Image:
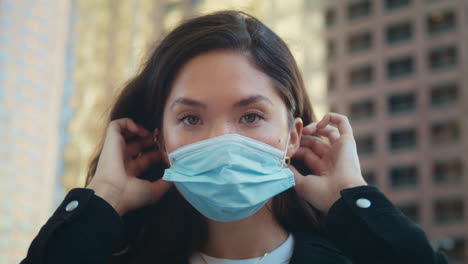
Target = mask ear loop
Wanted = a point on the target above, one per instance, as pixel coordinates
(285, 160)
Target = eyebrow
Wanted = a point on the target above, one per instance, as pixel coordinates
(252, 100)
(244, 102)
(187, 101)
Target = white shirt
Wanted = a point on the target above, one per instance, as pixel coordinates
(281, 255)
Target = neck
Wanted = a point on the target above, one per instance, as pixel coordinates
(247, 238)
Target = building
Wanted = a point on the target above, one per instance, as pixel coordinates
(33, 81)
(397, 69)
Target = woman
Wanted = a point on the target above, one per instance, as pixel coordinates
(195, 167)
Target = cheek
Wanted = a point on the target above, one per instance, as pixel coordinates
(275, 135)
(173, 140)
(277, 141)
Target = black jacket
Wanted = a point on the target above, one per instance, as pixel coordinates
(378, 234)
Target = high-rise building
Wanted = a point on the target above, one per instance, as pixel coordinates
(398, 70)
(111, 39)
(33, 77)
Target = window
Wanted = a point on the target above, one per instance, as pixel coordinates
(360, 42)
(370, 177)
(445, 132)
(402, 139)
(444, 94)
(359, 10)
(440, 58)
(457, 252)
(361, 76)
(411, 210)
(365, 145)
(362, 110)
(439, 22)
(400, 67)
(448, 210)
(330, 17)
(447, 171)
(401, 103)
(395, 4)
(447, 244)
(331, 50)
(404, 177)
(398, 33)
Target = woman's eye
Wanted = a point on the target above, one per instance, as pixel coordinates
(251, 118)
(191, 120)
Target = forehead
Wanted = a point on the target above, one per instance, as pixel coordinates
(221, 73)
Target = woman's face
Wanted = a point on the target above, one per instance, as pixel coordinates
(219, 93)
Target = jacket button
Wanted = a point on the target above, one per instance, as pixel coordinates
(71, 206)
(363, 203)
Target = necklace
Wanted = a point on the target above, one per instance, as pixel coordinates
(256, 262)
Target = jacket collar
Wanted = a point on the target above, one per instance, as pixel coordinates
(311, 247)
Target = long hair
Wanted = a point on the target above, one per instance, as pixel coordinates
(171, 229)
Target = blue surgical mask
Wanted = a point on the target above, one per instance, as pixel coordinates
(229, 177)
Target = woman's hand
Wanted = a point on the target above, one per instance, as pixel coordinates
(336, 164)
(121, 161)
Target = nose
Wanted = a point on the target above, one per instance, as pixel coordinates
(221, 128)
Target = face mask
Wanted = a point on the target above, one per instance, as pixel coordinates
(230, 177)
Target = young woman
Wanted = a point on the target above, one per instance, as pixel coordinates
(213, 155)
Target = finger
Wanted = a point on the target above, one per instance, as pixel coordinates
(310, 159)
(138, 146)
(302, 182)
(127, 127)
(330, 132)
(316, 144)
(298, 177)
(159, 188)
(340, 121)
(155, 136)
(140, 164)
(150, 192)
(310, 129)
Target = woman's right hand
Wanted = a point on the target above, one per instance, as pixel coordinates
(116, 177)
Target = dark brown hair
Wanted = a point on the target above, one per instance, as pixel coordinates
(171, 229)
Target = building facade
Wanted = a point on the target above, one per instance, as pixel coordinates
(398, 70)
(33, 72)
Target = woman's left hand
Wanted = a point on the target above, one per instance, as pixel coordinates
(336, 164)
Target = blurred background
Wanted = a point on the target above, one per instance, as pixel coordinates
(397, 68)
